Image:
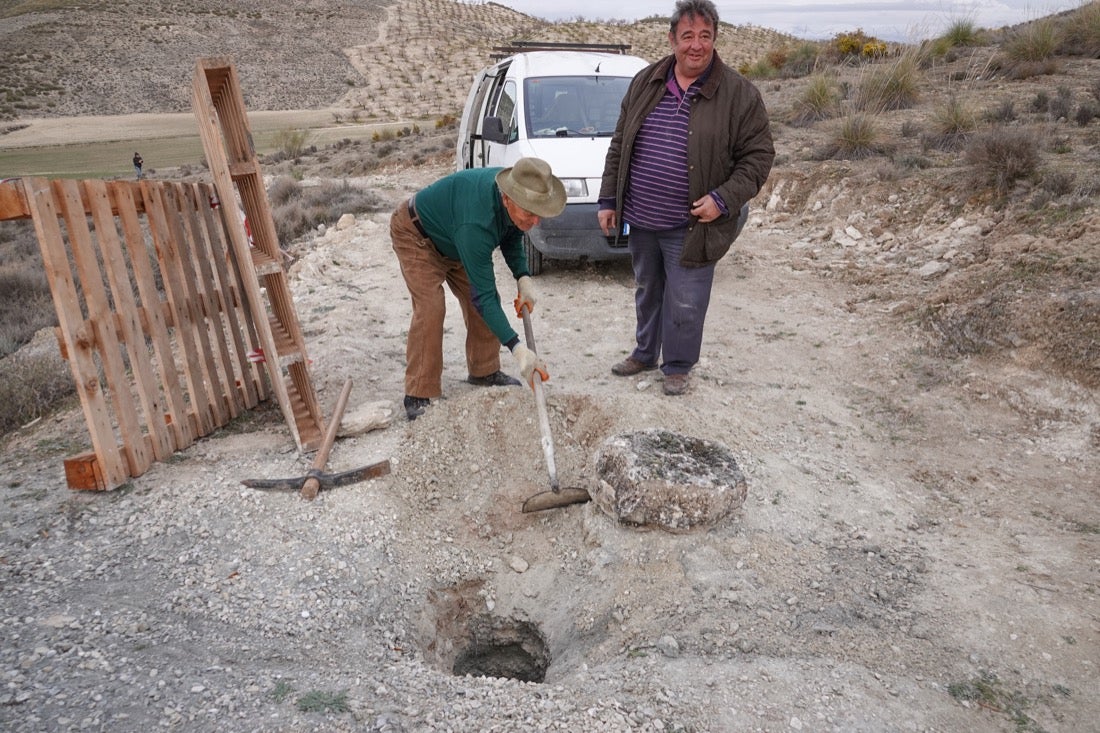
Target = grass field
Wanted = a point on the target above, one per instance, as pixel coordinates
(101, 147)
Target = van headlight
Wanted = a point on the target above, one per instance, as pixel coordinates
(575, 187)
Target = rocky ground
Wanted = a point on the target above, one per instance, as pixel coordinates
(917, 552)
(889, 355)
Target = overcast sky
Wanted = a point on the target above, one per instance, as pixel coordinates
(908, 20)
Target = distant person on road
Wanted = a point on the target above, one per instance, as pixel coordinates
(448, 233)
(137, 164)
(692, 146)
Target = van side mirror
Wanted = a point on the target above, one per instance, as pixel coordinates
(492, 129)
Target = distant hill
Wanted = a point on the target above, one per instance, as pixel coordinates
(413, 58)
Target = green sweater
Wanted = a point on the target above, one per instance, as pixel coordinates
(465, 217)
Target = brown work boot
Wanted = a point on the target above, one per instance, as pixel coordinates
(630, 366)
(675, 384)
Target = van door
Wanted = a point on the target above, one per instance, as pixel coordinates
(493, 98)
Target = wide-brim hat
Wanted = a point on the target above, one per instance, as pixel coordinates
(532, 185)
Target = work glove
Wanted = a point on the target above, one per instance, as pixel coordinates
(529, 363)
(526, 295)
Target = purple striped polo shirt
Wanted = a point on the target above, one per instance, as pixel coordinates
(657, 193)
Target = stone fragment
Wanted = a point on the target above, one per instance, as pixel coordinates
(364, 418)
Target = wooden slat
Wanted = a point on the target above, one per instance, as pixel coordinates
(78, 342)
(210, 408)
(174, 435)
(129, 322)
(184, 310)
(219, 362)
(215, 251)
(70, 194)
(238, 273)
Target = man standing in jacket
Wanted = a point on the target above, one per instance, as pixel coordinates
(448, 232)
(692, 146)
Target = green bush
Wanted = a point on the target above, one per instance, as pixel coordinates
(856, 138)
(1030, 51)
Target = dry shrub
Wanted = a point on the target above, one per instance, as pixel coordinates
(819, 100)
(32, 383)
(25, 302)
(1030, 51)
(302, 208)
(952, 124)
(1002, 114)
(856, 138)
(890, 86)
(1002, 156)
(1081, 32)
(26, 306)
(1029, 305)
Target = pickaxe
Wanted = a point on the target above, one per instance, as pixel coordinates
(316, 479)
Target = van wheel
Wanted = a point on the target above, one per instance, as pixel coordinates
(534, 257)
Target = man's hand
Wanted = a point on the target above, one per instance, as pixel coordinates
(526, 295)
(606, 218)
(705, 210)
(529, 363)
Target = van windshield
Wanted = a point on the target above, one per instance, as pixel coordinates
(572, 106)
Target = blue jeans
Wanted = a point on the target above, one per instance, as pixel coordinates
(670, 300)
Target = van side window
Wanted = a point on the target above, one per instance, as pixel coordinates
(506, 110)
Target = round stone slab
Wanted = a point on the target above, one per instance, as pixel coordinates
(658, 478)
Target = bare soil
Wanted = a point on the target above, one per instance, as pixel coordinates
(920, 546)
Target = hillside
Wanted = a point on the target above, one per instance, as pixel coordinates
(379, 60)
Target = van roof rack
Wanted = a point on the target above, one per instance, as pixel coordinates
(515, 47)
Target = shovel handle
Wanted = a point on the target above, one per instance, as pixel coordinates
(540, 400)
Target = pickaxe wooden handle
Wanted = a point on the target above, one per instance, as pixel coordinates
(316, 479)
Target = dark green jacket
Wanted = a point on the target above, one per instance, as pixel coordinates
(465, 217)
(730, 150)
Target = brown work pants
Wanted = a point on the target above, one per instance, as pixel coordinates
(425, 271)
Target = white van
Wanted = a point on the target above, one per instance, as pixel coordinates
(561, 106)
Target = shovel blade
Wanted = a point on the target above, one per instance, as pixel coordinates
(555, 499)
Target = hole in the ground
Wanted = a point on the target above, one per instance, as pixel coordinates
(458, 636)
(498, 647)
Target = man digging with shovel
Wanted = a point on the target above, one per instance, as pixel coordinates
(448, 232)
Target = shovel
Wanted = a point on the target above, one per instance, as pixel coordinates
(557, 496)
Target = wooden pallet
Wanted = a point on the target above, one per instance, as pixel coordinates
(151, 318)
(230, 153)
(164, 302)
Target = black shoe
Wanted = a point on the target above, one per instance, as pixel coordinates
(496, 379)
(414, 406)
